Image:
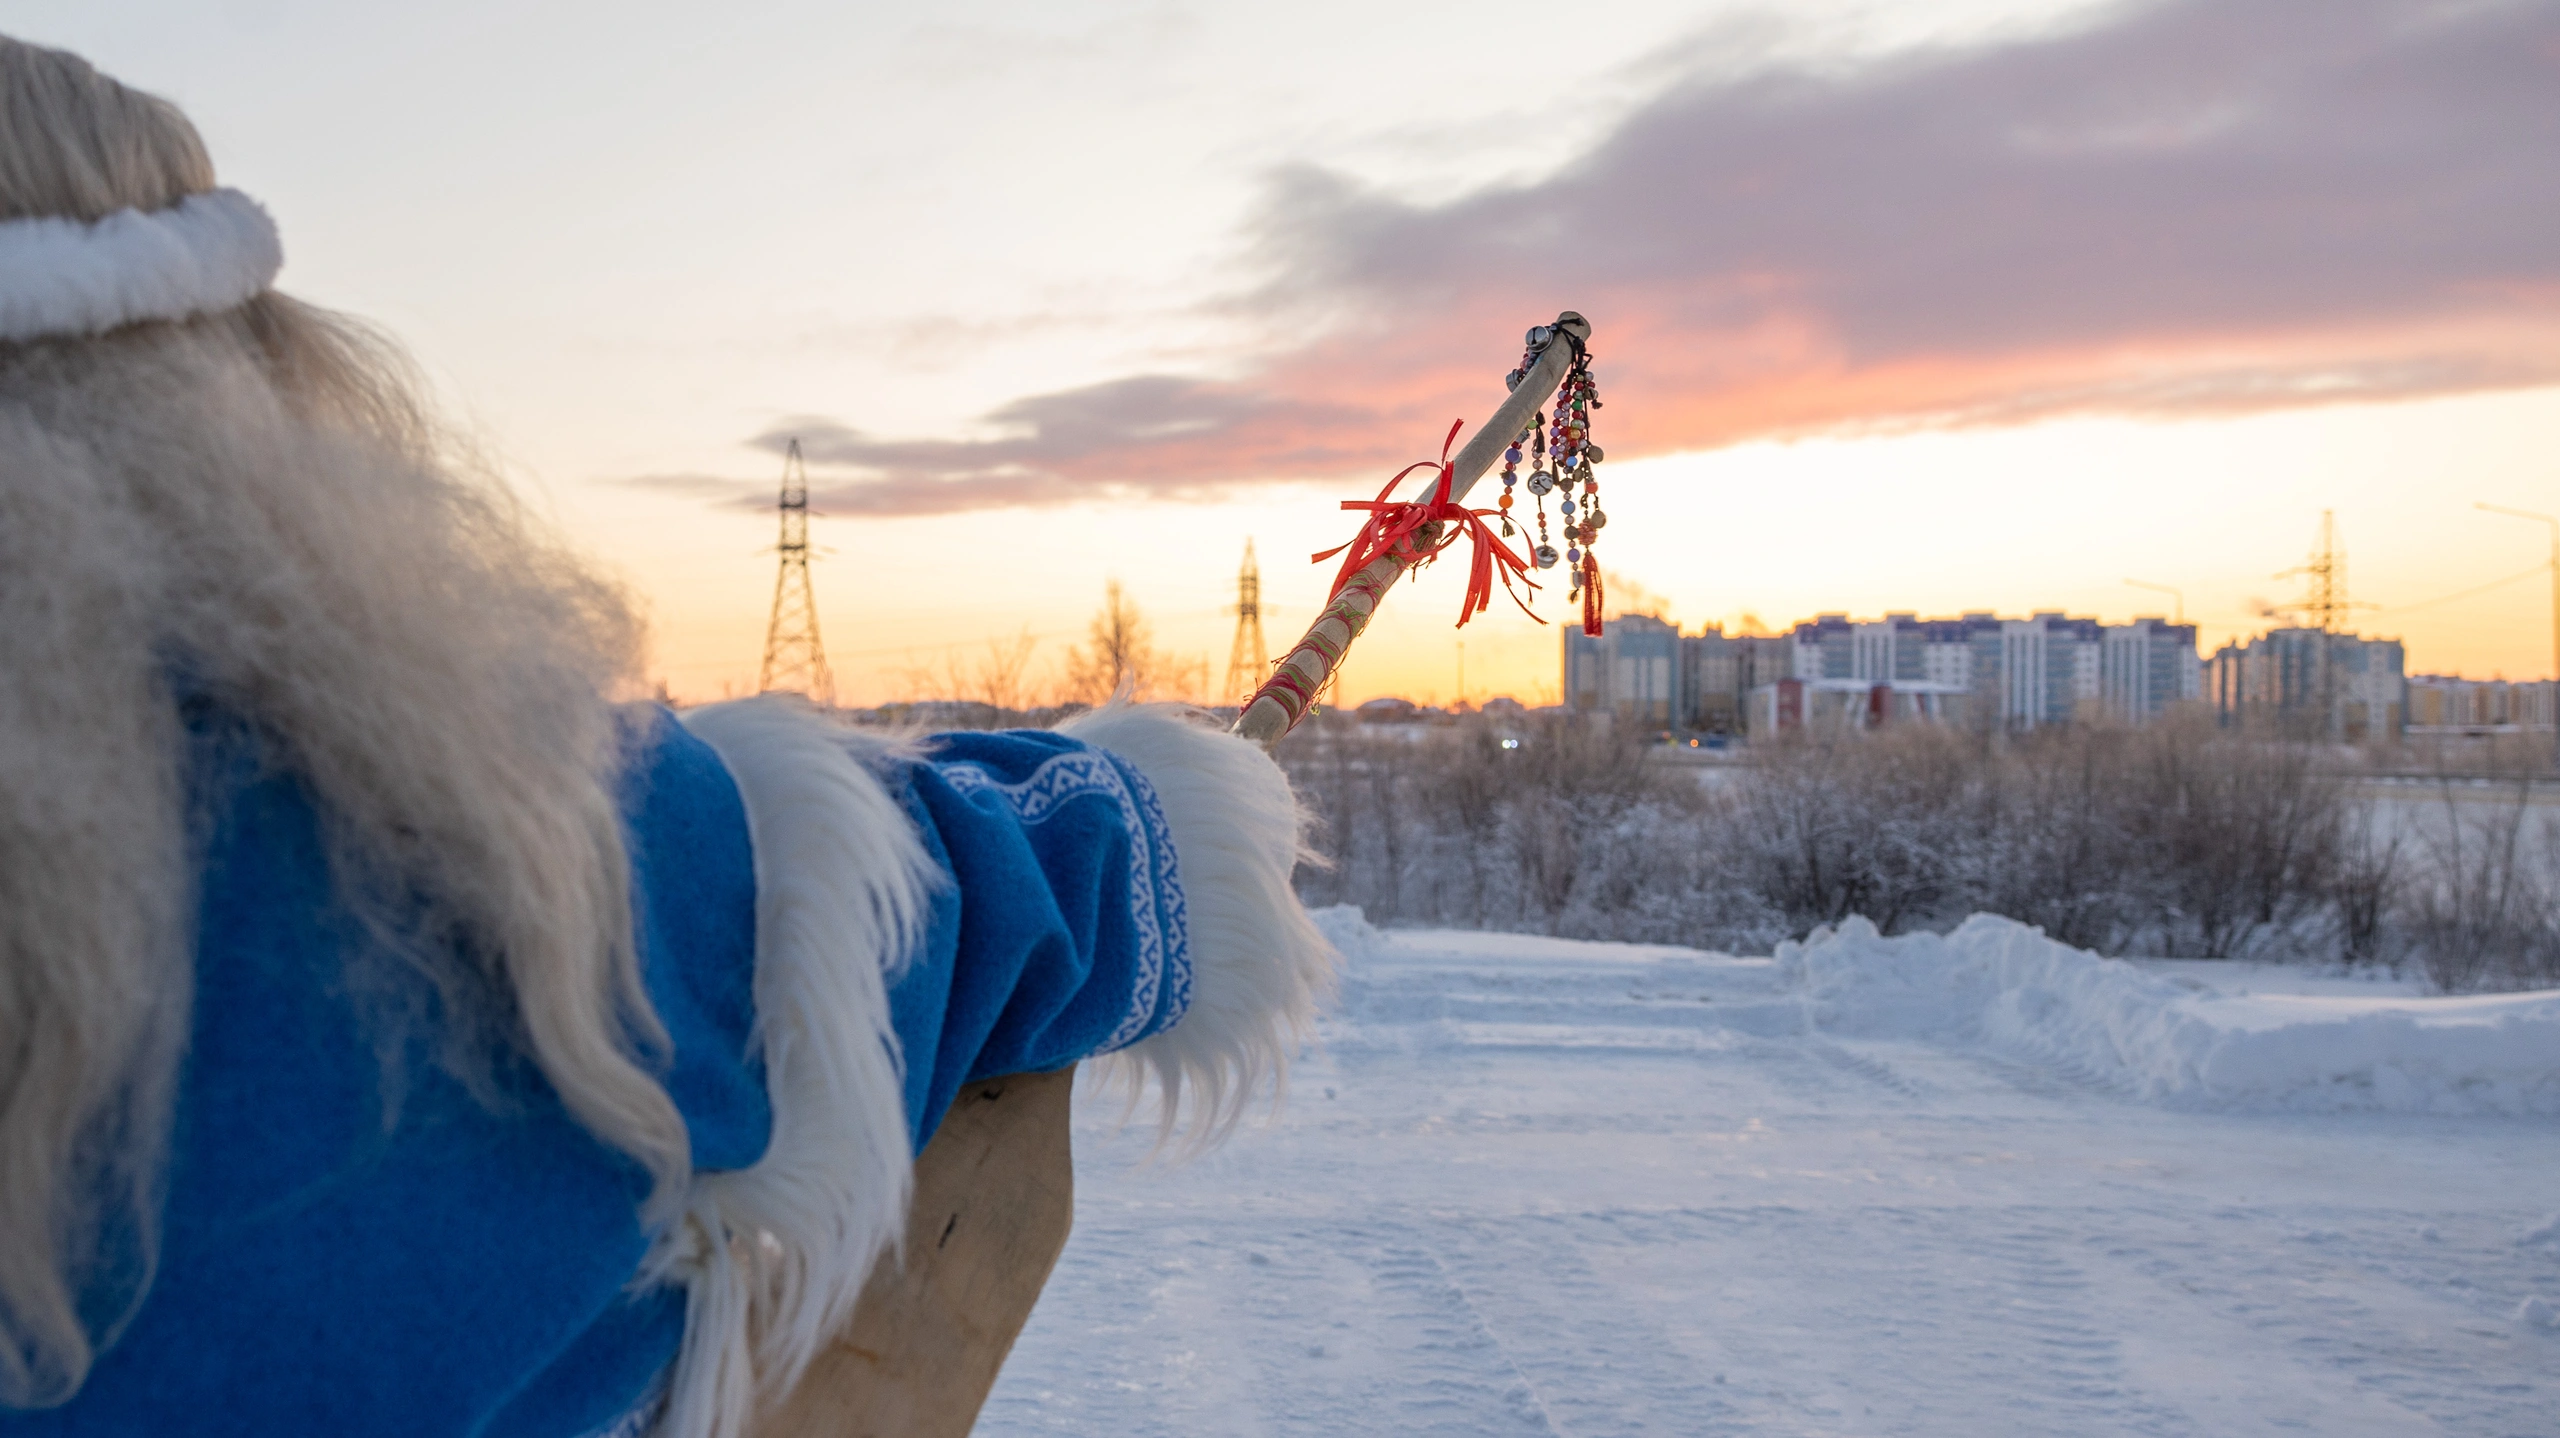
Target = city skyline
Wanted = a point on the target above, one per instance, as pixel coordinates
(1964, 304)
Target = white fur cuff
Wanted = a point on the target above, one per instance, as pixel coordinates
(208, 252)
(773, 1257)
(1259, 965)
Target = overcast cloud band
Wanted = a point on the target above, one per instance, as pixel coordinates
(208, 252)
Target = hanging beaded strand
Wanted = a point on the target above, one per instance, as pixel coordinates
(1511, 477)
(1534, 440)
(1541, 484)
(1577, 460)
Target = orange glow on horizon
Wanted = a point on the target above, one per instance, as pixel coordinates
(2015, 519)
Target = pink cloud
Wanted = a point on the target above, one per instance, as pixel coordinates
(2191, 207)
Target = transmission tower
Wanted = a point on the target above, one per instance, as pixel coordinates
(1246, 657)
(2324, 577)
(2325, 606)
(793, 656)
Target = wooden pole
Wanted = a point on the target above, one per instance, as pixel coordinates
(1281, 702)
(995, 1189)
(994, 1196)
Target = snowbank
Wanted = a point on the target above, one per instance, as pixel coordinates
(1996, 986)
(2004, 986)
(1349, 931)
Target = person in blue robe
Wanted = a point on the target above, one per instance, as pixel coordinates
(398, 1036)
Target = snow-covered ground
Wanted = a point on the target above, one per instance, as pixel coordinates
(1980, 1185)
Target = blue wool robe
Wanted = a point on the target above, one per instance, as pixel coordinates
(355, 1246)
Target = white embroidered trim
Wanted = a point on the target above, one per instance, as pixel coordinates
(60, 277)
(1155, 882)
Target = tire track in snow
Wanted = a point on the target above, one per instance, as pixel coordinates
(1866, 1066)
(1557, 1199)
(1463, 1360)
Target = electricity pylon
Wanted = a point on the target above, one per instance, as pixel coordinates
(1245, 658)
(2324, 576)
(793, 656)
(2324, 606)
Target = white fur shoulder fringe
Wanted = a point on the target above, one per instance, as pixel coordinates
(60, 277)
(774, 1257)
(1259, 964)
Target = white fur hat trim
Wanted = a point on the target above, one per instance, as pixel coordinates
(208, 252)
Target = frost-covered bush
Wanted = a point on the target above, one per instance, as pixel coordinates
(2172, 839)
(2479, 896)
(1568, 831)
(2175, 839)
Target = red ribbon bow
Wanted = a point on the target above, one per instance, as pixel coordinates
(1396, 527)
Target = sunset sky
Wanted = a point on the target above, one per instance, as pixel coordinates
(1928, 306)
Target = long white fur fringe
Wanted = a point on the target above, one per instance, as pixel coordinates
(774, 1257)
(1260, 967)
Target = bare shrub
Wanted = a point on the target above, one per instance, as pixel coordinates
(2242, 836)
(1849, 827)
(2176, 839)
(1566, 829)
(2485, 885)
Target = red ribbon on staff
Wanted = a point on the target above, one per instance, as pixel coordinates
(1395, 527)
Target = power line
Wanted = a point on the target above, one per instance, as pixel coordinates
(2542, 568)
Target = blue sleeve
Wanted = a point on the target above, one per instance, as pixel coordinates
(694, 904)
(1061, 935)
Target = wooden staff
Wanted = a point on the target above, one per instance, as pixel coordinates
(994, 1198)
(1281, 702)
(994, 1190)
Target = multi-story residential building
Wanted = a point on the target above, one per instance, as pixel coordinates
(2048, 668)
(2446, 704)
(2148, 667)
(2019, 673)
(2311, 683)
(1630, 671)
(1717, 669)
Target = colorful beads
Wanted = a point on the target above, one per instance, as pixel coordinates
(1557, 443)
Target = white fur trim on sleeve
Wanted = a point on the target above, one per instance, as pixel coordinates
(60, 277)
(774, 1256)
(1259, 965)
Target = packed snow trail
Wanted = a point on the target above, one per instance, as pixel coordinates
(1865, 1187)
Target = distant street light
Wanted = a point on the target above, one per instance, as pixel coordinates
(2555, 614)
(2164, 589)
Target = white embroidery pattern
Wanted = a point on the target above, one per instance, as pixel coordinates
(1162, 924)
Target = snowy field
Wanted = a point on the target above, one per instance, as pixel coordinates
(1975, 1186)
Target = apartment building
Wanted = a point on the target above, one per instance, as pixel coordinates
(1978, 668)
(2311, 683)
